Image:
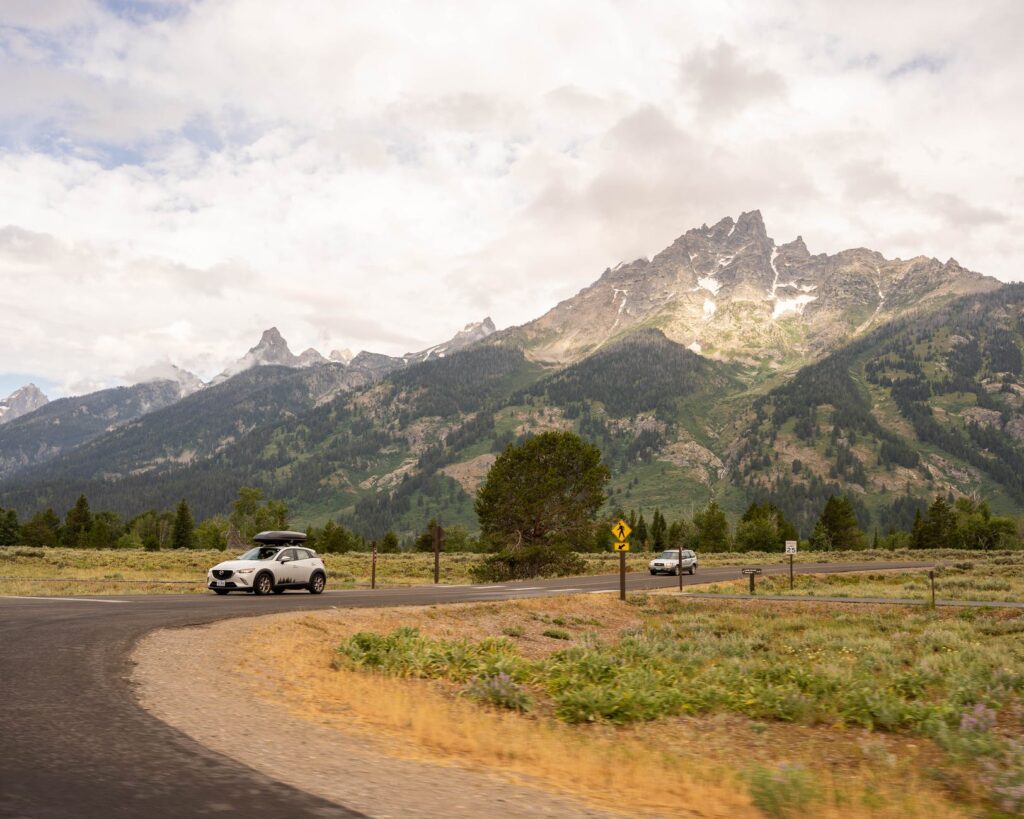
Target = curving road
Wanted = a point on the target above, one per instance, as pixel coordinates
(74, 743)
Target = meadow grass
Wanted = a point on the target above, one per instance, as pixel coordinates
(984, 576)
(796, 710)
(103, 571)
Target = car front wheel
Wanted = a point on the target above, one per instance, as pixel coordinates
(693, 569)
(264, 584)
(317, 583)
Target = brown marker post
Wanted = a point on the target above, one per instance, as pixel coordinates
(438, 534)
(373, 566)
(679, 567)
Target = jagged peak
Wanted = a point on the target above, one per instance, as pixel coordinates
(271, 338)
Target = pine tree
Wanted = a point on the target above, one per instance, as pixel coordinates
(659, 531)
(9, 530)
(77, 524)
(840, 523)
(183, 532)
(640, 531)
(43, 529)
(712, 529)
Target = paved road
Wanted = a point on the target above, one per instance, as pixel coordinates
(74, 743)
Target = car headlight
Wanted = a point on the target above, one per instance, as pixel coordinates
(245, 571)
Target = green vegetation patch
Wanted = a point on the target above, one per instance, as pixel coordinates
(983, 576)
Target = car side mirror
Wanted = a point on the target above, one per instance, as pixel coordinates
(286, 560)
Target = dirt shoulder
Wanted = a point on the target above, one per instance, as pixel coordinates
(203, 682)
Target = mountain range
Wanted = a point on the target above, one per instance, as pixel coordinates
(726, 366)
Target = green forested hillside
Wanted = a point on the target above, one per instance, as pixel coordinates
(923, 405)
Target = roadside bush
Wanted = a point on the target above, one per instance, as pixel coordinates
(782, 792)
(528, 562)
(501, 691)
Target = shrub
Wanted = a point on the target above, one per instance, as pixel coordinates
(557, 634)
(528, 562)
(785, 791)
(500, 690)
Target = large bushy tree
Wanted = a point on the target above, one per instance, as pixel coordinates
(538, 503)
(543, 492)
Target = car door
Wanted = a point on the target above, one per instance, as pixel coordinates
(289, 570)
(302, 567)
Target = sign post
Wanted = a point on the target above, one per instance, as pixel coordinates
(373, 566)
(621, 531)
(752, 573)
(790, 550)
(438, 538)
(679, 567)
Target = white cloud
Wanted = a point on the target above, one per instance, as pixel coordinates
(370, 175)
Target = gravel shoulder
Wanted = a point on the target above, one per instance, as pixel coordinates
(193, 679)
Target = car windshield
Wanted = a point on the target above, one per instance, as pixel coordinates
(673, 555)
(261, 553)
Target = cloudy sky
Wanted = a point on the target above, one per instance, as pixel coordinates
(176, 176)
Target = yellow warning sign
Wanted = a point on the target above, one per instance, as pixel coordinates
(621, 547)
(621, 531)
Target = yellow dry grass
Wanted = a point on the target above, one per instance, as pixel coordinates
(678, 767)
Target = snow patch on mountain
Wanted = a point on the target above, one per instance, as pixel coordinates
(793, 305)
(709, 283)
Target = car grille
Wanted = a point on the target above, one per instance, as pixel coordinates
(222, 574)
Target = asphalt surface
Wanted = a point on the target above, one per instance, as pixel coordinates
(74, 742)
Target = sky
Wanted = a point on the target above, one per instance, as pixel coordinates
(177, 176)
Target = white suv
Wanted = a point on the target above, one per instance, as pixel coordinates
(668, 562)
(277, 564)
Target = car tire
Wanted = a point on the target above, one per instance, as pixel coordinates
(263, 584)
(675, 571)
(220, 591)
(317, 583)
(653, 572)
(693, 569)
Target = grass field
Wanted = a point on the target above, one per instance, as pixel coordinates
(989, 576)
(668, 704)
(86, 571)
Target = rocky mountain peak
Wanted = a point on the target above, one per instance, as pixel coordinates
(343, 356)
(272, 348)
(21, 402)
(731, 292)
(470, 334)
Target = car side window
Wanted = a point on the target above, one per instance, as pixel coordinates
(304, 554)
(287, 554)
